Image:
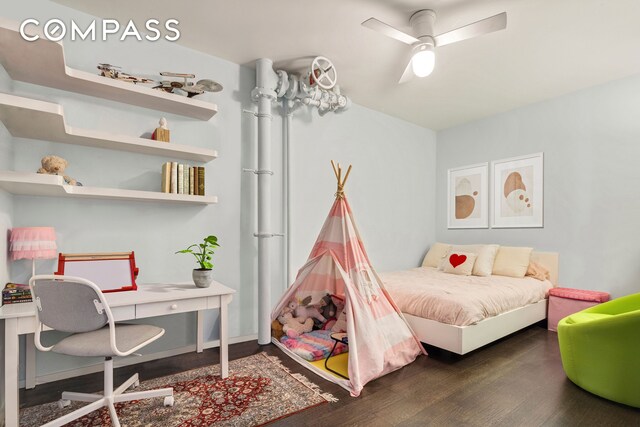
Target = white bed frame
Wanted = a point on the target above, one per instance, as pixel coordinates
(463, 339)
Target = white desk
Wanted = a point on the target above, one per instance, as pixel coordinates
(150, 300)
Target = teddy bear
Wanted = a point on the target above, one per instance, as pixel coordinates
(304, 311)
(54, 165)
(292, 325)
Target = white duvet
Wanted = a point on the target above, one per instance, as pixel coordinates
(460, 300)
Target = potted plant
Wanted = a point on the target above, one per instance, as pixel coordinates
(203, 252)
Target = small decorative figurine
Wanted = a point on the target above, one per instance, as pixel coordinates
(113, 72)
(161, 133)
(190, 88)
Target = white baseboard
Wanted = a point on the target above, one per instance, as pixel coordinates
(132, 360)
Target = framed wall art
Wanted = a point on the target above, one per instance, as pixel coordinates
(468, 197)
(518, 192)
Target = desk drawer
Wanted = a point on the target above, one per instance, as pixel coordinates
(126, 312)
(170, 307)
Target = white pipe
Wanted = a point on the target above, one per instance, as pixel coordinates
(269, 86)
(264, 94)
(286, 154)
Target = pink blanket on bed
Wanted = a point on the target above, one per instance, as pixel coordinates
(313, 345)
(460, 300)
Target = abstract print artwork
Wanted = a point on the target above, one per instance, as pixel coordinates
(518, 192)
(468, 200)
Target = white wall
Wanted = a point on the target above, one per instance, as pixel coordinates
(591, 145)
(153, 230)
(391, 188)
(6, 215)
(392, 160)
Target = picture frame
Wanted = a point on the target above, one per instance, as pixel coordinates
(111, 271)
(517, 192)
(468, 196)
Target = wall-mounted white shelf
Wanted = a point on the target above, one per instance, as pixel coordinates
(42, 62)
(33, 184)
(33, 119)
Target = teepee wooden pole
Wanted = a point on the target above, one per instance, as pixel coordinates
(344, 181)
(335, 171)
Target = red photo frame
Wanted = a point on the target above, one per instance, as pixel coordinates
(112, 272)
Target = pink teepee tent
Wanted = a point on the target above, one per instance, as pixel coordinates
(380, 341)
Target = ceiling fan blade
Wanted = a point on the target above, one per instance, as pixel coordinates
(478, 28)
(389, 31)
(408, 73)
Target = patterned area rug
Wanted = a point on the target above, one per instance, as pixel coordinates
(259, 390)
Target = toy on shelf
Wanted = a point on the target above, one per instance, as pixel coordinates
(54, 165)
(188, 87)
(161, 133)
(112, 71)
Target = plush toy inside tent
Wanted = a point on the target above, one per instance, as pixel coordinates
(338, 307)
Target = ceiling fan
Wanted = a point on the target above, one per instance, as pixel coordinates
(423, 58)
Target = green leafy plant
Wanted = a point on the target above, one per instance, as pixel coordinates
(203, 252)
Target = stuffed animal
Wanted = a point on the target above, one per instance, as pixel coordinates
(54, 165)
(276, 330)
(303, 310)
(336, 306)
(341, 323)
(292, 326)
(327, 307)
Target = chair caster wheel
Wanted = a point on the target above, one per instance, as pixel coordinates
(168, 401)
(63, 403)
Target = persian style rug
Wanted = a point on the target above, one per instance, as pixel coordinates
(259, 389)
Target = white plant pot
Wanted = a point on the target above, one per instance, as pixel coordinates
(202, 277)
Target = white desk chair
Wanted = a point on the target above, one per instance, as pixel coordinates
(72, 304)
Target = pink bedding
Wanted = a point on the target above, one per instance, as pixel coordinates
(460, 300)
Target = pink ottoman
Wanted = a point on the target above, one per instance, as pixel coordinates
(566, 301)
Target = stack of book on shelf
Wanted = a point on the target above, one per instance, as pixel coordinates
(182, 179)
(14, 293)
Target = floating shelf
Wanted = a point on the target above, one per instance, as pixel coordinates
(33, 184)
(42, 62)
(33, 119)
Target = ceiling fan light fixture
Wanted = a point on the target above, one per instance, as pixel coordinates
(423, 60)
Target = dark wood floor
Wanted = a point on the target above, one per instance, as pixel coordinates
(517, 381)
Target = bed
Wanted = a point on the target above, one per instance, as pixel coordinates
(441, 315)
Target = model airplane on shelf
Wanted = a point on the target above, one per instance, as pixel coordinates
(113, 72)
(190, 88)
(170, 86)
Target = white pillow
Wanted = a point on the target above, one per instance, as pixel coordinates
(460, 263)
(486, 258)
(486, 255)
(512, 261)
(457, 248)
(436, 253)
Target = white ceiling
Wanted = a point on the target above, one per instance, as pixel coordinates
(549, 47)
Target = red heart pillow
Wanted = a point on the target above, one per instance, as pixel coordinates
(456, 260)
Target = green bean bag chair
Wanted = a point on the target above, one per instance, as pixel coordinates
(600, 349)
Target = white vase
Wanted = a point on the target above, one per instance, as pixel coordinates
(202, 277)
